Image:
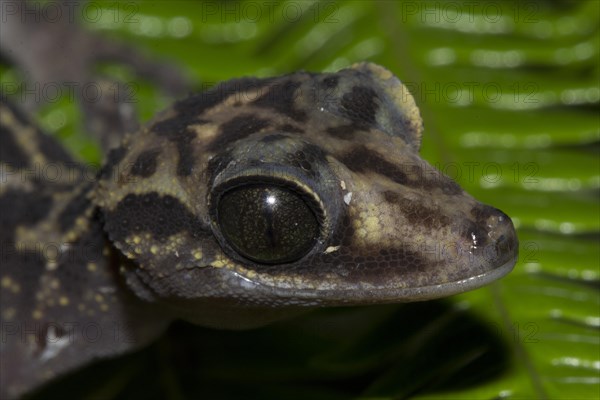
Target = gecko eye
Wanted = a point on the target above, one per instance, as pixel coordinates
(266, 223)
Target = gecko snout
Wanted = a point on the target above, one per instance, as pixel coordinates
(502, 238)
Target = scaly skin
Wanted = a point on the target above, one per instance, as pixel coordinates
(238, 206)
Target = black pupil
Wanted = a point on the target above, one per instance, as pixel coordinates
(267, 224)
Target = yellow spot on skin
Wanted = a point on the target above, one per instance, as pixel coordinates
(154, 249)
(198, 254)
(221, 261)
(99, 298)
(92, 267)
(137, 239)
(104, 307)
(63, 301)
(36, 314)
(54, 284)
(372, 224)
(250, 274)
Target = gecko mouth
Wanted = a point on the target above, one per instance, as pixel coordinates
(409, 294)
(445, 289)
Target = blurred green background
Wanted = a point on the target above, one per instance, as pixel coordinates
(509, 92)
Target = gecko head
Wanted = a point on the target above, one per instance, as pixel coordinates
(294, 192)
(373, 221)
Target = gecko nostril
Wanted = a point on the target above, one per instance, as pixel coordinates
(502, 244)
(474, 235)
(504, 247)
(498, 240)
(505, 242)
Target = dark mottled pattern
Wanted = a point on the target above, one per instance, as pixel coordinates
(25, 266)
(21, 208)
(188, 114)
(331, 82)
(361, 105)
(115, 156)
(145, 164)
(238, 128)
(162, 216)
(344, 132)
(52, 150)
(361, 159)
(291, 128)
(10, 152)
(416, 213)
(75, 208)
(176, 131)
(198, 103)
(175, 126)
(89, 247)
(272, 138)
(447, 185)
(392, 197)
(280, 97)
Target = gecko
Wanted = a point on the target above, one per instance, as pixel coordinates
(254, 201)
